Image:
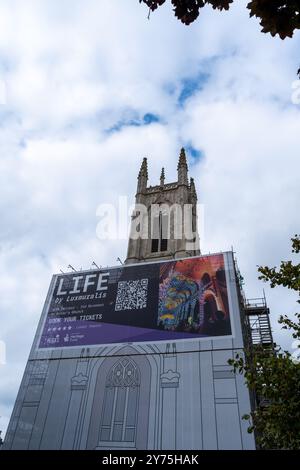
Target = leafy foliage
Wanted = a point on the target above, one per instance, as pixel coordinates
(288, 276)
(276, 16)
(275, 378)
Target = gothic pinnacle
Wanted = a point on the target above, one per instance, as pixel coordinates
(144, 168)
(182, 159)
(182, 169)
(193, 188)
(162, 177)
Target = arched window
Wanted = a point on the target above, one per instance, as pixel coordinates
(120, 405)
(159, 235)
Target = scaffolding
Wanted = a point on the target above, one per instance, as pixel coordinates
(257, 318)
(257, 332)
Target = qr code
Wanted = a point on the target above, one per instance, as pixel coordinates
(132, 295)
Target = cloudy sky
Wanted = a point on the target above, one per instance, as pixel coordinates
(90, 87)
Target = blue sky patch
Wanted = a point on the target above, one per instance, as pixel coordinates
(148, 118)
(190, 86)
(194, 155)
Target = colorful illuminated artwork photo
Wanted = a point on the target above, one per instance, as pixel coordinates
(193, 297)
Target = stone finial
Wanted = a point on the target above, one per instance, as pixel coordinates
(192, 185)
(162, 177)
(193, 189)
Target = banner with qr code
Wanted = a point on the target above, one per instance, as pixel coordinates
(180, 299)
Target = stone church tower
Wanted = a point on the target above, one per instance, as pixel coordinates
(164, 221)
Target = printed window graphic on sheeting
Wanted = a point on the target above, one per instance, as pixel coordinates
(164, 301)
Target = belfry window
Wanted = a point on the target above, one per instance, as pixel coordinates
(159, 239)
(119, 411)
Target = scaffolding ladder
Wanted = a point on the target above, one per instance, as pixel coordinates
(257, 316)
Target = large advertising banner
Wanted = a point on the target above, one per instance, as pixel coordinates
(180, 299)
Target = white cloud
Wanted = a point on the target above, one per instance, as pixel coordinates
(72, 70)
